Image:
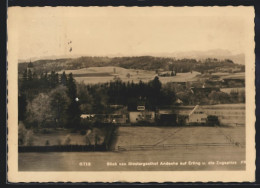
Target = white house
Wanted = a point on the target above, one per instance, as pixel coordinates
(87, 116)
(197, 116)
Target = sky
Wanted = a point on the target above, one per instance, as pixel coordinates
(105, 31)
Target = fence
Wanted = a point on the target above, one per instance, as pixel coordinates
(172, 146)
(231, 140)
(63, 148)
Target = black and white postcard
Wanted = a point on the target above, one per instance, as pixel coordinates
(131, 94)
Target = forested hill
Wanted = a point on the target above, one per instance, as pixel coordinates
(140, 62)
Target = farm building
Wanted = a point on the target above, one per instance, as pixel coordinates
(106, 118)
(87, 116)
(138, 116)
(166, 117)
(178, 102)
(197, 116)
(189, 115)
(184, 115)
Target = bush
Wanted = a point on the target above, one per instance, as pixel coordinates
(21, 134)
(29, 138)
(25, 137)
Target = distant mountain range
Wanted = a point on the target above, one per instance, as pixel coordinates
(216, 53)
(198, 55)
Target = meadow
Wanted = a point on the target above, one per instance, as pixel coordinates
(70, 161)
(94, 75)
(178, 135)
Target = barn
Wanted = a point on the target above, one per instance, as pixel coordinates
(167, 118)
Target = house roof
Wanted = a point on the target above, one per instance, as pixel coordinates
(178, 101)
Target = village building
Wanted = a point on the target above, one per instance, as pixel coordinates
(197, 116)
(178, 102)
(166, 117)
(106, 118)
(140, 116)
(119, 115)
(171, 116)
(87, 116)
(183, 115)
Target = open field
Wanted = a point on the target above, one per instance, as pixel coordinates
(94, 75)
(228, 157)
(178, 135)
(222, 75)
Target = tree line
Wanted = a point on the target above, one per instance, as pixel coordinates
(98, 98)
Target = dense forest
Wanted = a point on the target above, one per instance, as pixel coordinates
(140, 62)
(57, 100)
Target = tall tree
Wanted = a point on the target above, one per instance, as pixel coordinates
(73, 112)
(63, 79)
(59, 102)
(39, 111)
(22, 103)
(72, 89)
(25, 76)
(30, 75)
(54, 79)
